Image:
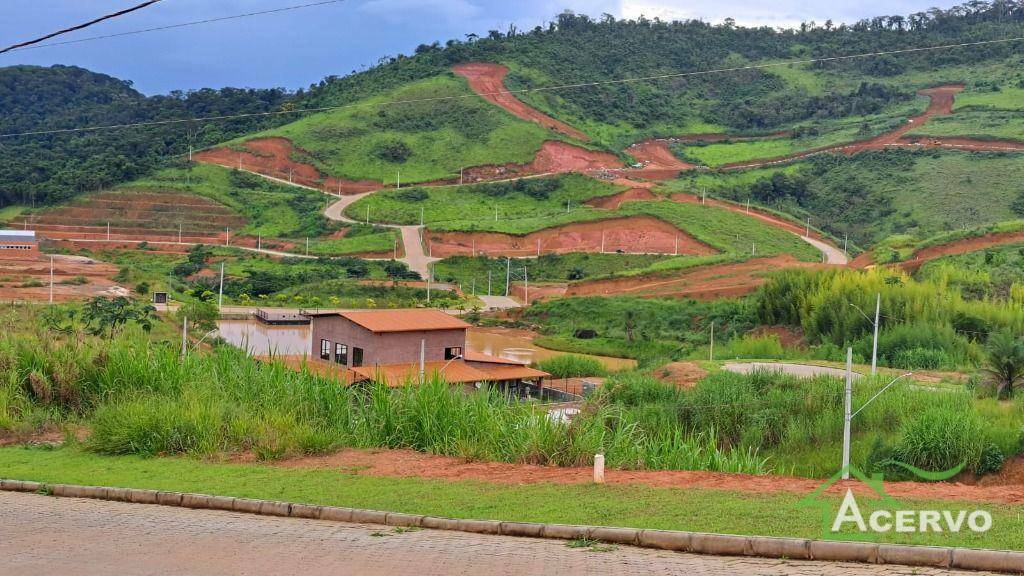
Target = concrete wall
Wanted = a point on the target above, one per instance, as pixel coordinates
(386, 347)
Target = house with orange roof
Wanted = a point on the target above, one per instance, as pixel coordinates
(400, 347)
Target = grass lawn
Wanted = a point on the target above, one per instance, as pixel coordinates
(271, 210)
(617, 505)
(8, 213)
(464, 205)
(373, 240)
(977, 123)
(1007, 98)
(426, 140)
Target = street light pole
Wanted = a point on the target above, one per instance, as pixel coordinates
(849, 414)
(874, 342)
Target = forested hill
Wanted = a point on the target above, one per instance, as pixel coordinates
(570, 49)
(46, 169)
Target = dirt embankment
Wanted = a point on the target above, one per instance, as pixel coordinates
(659, 163)
(615, 200)
(634, 235)
(488, 81)
(700, 283)
(408, 464)
(274, 157)
(74, 278)
(962, 246)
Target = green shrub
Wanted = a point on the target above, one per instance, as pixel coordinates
(572, 366)
(941, 438)
(991, 460)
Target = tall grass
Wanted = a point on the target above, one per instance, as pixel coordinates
(573, 366)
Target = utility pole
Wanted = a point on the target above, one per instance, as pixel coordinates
(108, 231)
(703, 196)
(748, 205)
(367, 213)
(307, 245)
(220, 292)
(179, 232)
(227, 236)
(429, 275)
(495, 213)
(184, 336)
(259, 242)
(538, 247)
(488, 282)
(423, 359)
(676, 251)
(51, 279)
(846, 239)
(508, 273)
(808, 234)
(602, 241)
(711, 349)
(472, 290)
(421, 215)
(460, 176)
(239, 161)
(474, 247)
(567, 204)
(874, 343)
(847, 413)
(753, 249)
(398, 180)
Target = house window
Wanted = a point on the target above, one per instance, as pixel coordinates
(341, 354)
(325, 350)
(357, 357)
(453, 352)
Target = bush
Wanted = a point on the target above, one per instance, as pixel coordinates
(395, 151)
(572, 366)
(991, 460)
(411, 194)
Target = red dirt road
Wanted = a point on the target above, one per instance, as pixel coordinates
(615, 200)
(408, 463)
(962, 246)
(18, 276)
(700, 283)
(635, 234)
(273, 157)
(658, 160)
(488, 81)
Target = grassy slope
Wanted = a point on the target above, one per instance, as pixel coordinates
(548, 268)
(443, 135)
(618, 505)
(977, 123)
(462, 205)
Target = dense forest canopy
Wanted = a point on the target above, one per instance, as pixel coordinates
(571, 48)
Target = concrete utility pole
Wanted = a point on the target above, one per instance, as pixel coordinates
(874, 343)
(430, 275)
(488, 282)
(398, 180)
(421, 215)
(602, 241)
(808, 234)
(227, 236)
(239, 161)
(748, 205)
(703, 196)
(472, 289)
(51, 279)
(567, 204)
(508, 273)
(538, 247)
(220, 292)
(676, 251)
(179, 233)
(711, 349)
(367, 214)
(259, 242)
(495, 213)
(307, 245)
(108, 231)
(847, 413)
(846, 239)
(184, 336)
(423, 360)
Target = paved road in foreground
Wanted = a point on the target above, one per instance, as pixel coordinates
(42, 535)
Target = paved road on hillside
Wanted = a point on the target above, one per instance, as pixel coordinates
(42, 535)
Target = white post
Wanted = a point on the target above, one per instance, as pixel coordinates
(227, 236)
(259, 242)
(108, 231)
(239, 161)
(398, 180)
(396, 249)
(567, 203)
(488, 282)
(474, 247)
(846, 239)
(367, 213)
(179, 233)
(307, 245)
(848, 409)
(421, 215)
(703, 196)
(460, 176)
(874, 343)
(538, 247)
(220, 292)
(290, 170)
(51, 279)
(808, 234)
(472, 290)
(599, 468)
(677, 246)
(748, 205)
(184, 335)
(429, 275)
(753, 249)
(495, 213)
(711, 349)
(602, 241)
(423, 360)
(508, 273)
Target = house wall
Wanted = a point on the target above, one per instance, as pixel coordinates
(18, 250)
(386, 347)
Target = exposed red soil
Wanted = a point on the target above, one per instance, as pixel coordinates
(700, 283)
(615, 200)
(680, 374)
(788, 337)
(960, 247)
(635, 234)
(658, 160)
(538, 291)
(863, 260)
(408, 463)
(488, 81)
(971, 144)
(274, 157)
(35, 268)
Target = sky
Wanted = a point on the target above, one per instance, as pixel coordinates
(298, 48)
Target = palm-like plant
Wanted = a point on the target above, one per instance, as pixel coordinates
(1005, 362)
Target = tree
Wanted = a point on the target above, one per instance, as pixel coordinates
(201, 315)
(1005, 362)
(109, 315)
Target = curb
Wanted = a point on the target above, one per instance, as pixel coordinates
(692, 542)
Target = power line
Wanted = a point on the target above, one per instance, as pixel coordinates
(513, 92)
(182, 25)
(22, 45)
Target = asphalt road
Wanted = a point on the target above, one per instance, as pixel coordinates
(43, 535)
